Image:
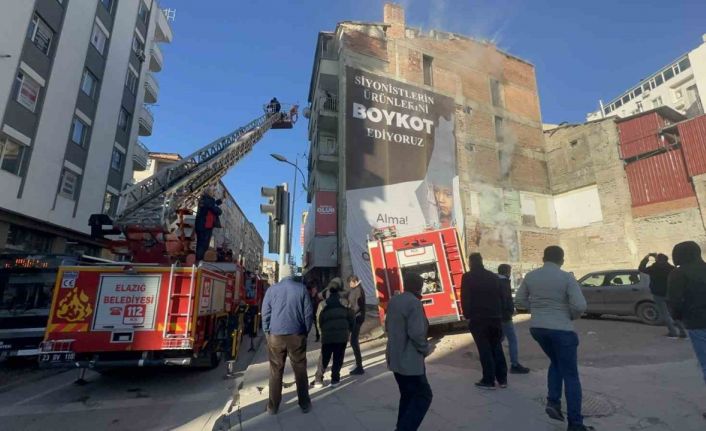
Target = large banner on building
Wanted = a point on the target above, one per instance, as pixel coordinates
(326, 221)
(400, 162)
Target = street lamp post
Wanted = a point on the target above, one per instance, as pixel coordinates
(281, 158)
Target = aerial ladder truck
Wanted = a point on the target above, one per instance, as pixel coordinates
(156, 306)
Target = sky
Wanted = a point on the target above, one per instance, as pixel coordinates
(229, 57)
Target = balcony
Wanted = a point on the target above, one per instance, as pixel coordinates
(324, 113)
(140, 157)
(146, 121)
(163, 32)
(156, 58)
(151, 89)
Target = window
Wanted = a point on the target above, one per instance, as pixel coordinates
(426, 65)
(19, 238)
(684, 64)
(658, 80)
(495, 94)
(593, 280)
(668, 74)
(637, 92)
(499, 129)
(626, 98)
(108, 4)
(79, 132)
(608, 109)
(131, 81)
(116, 162)
(137, 46)
(143, 13)
(657, 102)
(123, 119)
(624, 279)
(26, 91)
(639, 106)
(40, 34)
(110, 203)
(98, 38)
(88, 84)
(11, 155)
(69, 184)
(646, 86)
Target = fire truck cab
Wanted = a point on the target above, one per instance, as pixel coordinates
(433, 254)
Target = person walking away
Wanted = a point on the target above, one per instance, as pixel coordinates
(286, 321)
(312, 287)
(406, 326)
(554, 299)
(504, 273)
(481, 301)
(336, 321)
(207, 218)
(659, 273)
(356, 301)
(686, 296)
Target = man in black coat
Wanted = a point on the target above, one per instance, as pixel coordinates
(207, 218)
(659, 273)
(481, 299)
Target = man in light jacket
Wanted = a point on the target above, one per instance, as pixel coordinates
(555, 299)
(406, 326)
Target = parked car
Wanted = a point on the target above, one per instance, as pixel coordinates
(620, 293)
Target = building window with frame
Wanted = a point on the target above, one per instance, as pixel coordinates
(11, 155)
(89, 83)
(668, 74)
(143, 13)
(427, 67)
(131, 81)
(26, 91)
(108, 4)
(123, 119)
(496, 93)
(40, 34)
(98, 38)
(684, 64)
(138, 47)
(499, 129)
(116, 161)
(69, 184)
(110, 204)
(657, 102)
(79, 132)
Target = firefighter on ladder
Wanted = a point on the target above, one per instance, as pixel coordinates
(207, 218)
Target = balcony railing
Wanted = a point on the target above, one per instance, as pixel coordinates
(146, 121)
(140, 156)
(329, 102)
(157, 58)
(151, 88)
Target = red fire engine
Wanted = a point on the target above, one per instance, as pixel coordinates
(156, 308)
(433, 254)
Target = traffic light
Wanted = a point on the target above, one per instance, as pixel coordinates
(273, 236)
(270, 208)
(277, 206)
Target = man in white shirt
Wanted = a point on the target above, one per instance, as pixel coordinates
(555, 299)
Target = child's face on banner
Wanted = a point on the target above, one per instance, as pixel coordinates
(444, 200)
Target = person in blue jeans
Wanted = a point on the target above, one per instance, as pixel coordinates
(504, 272)
(554, 299)
(686, 296)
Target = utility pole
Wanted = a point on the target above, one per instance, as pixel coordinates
(283, 241)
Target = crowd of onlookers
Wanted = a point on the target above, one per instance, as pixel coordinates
(552, 296)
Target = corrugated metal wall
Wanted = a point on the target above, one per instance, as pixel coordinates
(640, 135)
(693, 143)
(659, 178)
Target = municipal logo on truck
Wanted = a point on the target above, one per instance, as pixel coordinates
(127, 301)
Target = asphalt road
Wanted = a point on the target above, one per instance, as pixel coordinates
(137, 399)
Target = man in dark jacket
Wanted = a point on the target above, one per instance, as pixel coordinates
(686, 295)
(356, 301)
(207, 219)
(335, 321)
(286, 321)
(504, 272)
(659, 273)
(481, 299)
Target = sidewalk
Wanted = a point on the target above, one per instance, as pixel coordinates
(632, 398)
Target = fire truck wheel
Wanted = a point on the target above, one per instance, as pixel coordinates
(214, 360)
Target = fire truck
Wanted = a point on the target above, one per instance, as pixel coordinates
(434, 254)
(158, 306)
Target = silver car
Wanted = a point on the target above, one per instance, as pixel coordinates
(620, 293)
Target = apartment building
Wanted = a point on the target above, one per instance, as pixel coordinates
(75, 78)
(415, 129)
(680, 85)
(237, 233)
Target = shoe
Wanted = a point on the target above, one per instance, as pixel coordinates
(306, 408)
(271, 411)
(502, 385)
(682, 335)
(519, 369)
(357, 371)
(672, 336)
(483, 385)
(335, 383)
(317, 384)
(580, 428)
(554, 412)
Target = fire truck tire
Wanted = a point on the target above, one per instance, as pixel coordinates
(214, 360)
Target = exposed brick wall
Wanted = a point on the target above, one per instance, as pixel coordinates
(522, 101)
(519, 72)
(532, 245)
(529, 173)
(526, 136)
(362, 43)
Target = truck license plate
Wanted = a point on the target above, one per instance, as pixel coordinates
(57, 357)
